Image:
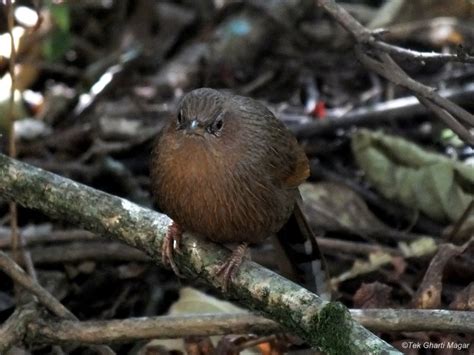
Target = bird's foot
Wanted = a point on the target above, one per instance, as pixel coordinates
(172, 244)
(228, 269)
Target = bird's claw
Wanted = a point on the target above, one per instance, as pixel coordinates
(229, 268)
(172, 244)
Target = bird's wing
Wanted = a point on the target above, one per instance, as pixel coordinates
(295, 169)
(285, 156)
(298, 166)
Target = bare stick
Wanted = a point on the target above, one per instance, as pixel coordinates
(43, 234)
(415, 320)
(134, 329)
(167, 327)
(422, 57)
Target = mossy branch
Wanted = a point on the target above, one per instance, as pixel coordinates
(324, 325)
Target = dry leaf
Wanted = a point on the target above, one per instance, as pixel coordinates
(337, 207)
(419, 247)
(361, 267)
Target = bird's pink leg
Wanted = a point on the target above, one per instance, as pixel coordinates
(231, 265)
(171, 244)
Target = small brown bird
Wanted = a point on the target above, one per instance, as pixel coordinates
(225, 168)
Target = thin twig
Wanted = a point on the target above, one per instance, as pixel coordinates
(422, 57)
(19, 253)
(426, 91)
(415, 320)
(448, 119)
(384, 65)
(460, 222)
(387, 68)
(346, 20)
(367, 37)
(15, 238)
(11, 69)
(43, 233)
(77, 252)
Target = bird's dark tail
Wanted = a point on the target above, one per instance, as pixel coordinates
(303, 261)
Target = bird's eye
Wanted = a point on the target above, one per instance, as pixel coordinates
(219, 123)
(180, 119)
(216, 126)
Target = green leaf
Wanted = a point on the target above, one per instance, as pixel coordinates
(56, 45)
(440, 187)
(59, 41)
(61, 16)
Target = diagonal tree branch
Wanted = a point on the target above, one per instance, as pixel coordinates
(324, 325)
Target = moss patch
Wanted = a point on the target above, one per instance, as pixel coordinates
(333, 328)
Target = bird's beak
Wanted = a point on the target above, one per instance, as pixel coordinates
(193, 128)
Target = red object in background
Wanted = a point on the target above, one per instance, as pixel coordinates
(319, 110)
